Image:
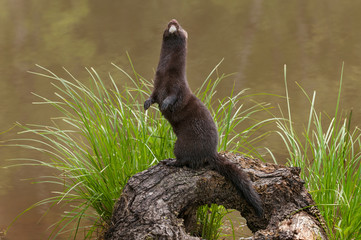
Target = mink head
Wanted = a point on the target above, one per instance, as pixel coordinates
(174, 34)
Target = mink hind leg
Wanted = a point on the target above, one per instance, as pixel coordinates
(180, 162)
(189, 162)
(189, 155)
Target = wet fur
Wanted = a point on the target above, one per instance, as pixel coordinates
(197, 135)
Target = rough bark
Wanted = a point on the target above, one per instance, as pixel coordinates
(160, 203)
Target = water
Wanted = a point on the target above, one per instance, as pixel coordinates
(255, 38)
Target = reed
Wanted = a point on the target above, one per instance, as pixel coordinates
(328, 152)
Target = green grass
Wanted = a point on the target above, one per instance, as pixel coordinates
(328, 151)
(210, 220)
(103, 136)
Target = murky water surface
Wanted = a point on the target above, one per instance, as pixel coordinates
(255, 38)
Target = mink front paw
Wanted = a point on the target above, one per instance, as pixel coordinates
(164, 106)
(167, 104)
(147, 103)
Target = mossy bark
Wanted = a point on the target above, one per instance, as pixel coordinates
(160, 203)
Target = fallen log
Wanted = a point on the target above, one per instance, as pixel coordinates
(161, 202)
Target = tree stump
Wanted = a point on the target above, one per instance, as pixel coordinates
(161, 202)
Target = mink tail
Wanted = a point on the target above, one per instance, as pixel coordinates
(240, 181)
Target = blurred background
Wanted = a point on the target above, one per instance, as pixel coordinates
(255, 38)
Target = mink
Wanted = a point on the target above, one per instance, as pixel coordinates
(196, 131)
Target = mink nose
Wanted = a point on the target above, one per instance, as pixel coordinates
(173, 25)
(172, 29)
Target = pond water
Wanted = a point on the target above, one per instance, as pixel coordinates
(255, 38)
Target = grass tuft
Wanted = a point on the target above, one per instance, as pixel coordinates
(329, 152)
(103, 136)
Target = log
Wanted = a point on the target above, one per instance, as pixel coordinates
(161, 202)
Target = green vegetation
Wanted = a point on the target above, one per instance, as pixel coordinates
(328, 151)
(210, 220)
(104, 136)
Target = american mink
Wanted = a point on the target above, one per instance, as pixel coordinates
(196, 131)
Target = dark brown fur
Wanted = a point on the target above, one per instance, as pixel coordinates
(197, 135)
